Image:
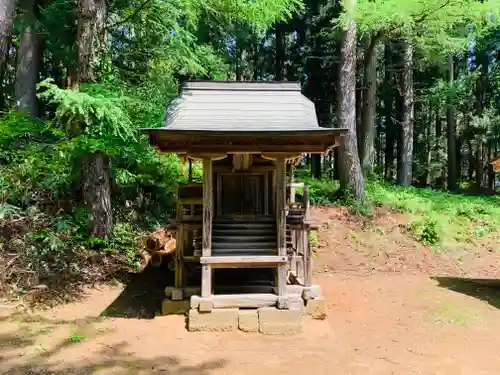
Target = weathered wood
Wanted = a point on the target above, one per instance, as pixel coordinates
(306, 202)
(206, 271)
(207, 206)
(206, 280)
(277, 155)
(179, 261)
(307, 260)
(211, 156)
(244, 259)
(281, 222)
(243, 300)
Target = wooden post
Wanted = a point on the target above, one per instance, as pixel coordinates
(206, 270)
(292, 186)
(281, 221)
(306, 202)
(307, 259)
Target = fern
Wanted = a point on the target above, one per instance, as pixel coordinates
(81, 113)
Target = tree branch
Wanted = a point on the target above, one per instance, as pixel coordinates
(423, 16)
(131, 16)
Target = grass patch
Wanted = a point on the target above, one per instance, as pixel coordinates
(449, 314)
(76, 337)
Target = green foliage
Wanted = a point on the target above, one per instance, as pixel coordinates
(80, 113)
(426, 230)
(441, 218)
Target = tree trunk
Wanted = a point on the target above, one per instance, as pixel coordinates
(368, 112)
(350, 174)
(280, 52)
(388, 115)
(479, 163)
(451, 119)
(29, 60)
(6, 14)
(90, 36)
(316, 166)
(95, 173)
(96, 193)
(404, 177)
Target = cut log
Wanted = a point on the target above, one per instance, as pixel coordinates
(160, 239)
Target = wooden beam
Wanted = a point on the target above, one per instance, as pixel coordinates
(244, 259)
(276, 155)
(243, 300)
(206, 271)
(202, 156)
(281, 221)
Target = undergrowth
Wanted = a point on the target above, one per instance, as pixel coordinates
(44, 235)
(436, 218)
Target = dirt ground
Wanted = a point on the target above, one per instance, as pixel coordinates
(395, 307)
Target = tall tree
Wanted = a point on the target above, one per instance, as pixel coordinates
(404, 175)
(452, 129)
(350, 174)
(29, 59)
(369, 100)
(95, 173)
(6, 13)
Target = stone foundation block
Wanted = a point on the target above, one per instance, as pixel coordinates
(295, 301)
(169, 307)
(205, 304)
(317, 308)
(217, 320)
(311, 292)
(294, 289)
(194, 302)
(186, 291)
(279, 322)
(248, 320)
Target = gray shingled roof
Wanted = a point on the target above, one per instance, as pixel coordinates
(241, 106)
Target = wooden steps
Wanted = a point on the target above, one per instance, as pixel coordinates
(240, 237)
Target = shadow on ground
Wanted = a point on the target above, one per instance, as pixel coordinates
(112, 359)
(487, 290)
(143, 294)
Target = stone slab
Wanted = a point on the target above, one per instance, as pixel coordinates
(217, 320)
(273, 321)
(311, 292)
(169, 307)
(317, 308)
(248, 320)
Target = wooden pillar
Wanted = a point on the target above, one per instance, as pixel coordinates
(281, 221)
(206, 270)
(178, 256)
(306, 202)
(307, 259)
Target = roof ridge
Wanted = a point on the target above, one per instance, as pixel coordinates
(240, 86)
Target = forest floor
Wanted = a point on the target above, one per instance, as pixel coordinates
(395, 307)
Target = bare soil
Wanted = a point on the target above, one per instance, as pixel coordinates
(395, 307)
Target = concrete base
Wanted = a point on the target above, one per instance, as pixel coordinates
(279, 322)
(169, 307)
(316, 308)
(248, 320)
(217, 320)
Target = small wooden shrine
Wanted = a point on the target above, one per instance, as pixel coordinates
(242, 234)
